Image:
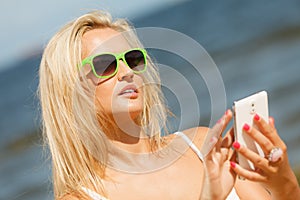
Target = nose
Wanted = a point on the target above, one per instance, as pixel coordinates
(124, 72)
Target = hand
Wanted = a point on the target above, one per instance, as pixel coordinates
(219, 179)
(274, 172)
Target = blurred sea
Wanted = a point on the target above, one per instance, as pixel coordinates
(255, 44)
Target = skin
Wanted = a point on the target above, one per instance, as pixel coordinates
(122, 109)
(183, 179)
(119, 183)
(107, 90)
(277, 177)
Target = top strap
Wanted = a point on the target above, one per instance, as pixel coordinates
(94, 195)
(191, 144)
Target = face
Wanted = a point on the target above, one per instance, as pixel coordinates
(120, 95)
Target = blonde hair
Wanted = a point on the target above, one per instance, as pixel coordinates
(68, 108)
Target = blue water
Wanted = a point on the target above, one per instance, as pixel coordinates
(255, 46)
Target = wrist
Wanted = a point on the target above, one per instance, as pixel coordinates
(287, 188)
(291, 194)
(209, 192)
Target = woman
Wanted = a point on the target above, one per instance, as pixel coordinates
(103, 113)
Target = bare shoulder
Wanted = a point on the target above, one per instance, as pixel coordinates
(197, 134)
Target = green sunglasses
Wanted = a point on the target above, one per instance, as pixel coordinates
(105, 65)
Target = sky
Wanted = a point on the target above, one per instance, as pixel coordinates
(26, 26)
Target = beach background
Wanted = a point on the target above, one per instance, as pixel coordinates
(255, 45)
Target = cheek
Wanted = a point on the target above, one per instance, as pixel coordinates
(103, 97)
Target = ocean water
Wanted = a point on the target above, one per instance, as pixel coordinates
(255, 45)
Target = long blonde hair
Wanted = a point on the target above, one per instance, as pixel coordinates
(68, 108)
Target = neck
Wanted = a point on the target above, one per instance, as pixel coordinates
(136, 159)
(128, 135)
(133, 145)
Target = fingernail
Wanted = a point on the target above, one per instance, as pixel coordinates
(226, 112)
(213, 139)
(236, 145)
(246, 127)
(256, 117)
(232, 164)
(221, 120)
(271, 120)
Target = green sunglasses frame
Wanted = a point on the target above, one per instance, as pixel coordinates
(89, 60)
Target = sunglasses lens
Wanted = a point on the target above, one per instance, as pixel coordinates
(105, 64)
(136, 60)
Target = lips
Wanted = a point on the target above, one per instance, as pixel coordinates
(129, 90)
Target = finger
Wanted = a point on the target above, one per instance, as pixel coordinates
(218, 145)
(233, 156)
(257, 160)
(215, 131)
(250, 175)
(225, 154)
(272, 122)
(211, 145)
(227, 118)
(262, 140)
(228, 138)
(267, 130)
(223, 122)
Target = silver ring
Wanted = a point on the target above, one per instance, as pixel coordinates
(275, 154)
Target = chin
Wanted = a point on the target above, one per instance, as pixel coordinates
(135, 116)
(125, 112)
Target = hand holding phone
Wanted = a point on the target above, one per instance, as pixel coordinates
(244, 111)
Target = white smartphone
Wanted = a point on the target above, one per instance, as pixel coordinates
(244, 111)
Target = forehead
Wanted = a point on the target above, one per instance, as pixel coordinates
(103, 40)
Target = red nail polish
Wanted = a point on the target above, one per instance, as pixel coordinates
(256, 117)
(236, 145)
(227, 111)
(232, 164)
(213, 140)
(271, 120)
(246, 127)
